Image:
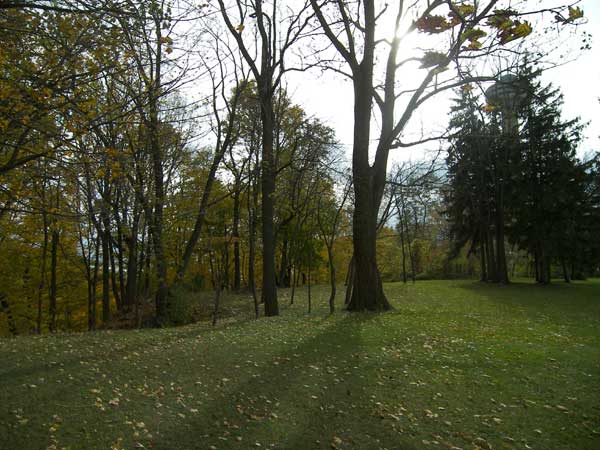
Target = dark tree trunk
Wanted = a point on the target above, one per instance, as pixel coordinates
(492, 269)
(565, 270)
(543, 265)
(482, 256)
(309, 287)
(252, 211)
(284, 268)
(236, 239)
(53, 287)
(5, 307)
(350, 283)
(295, 278)
(92, 288)
(116, 286)
(156, 229)
(331, 279)
(501, 268)
(268, 171)
(132, 263)
(215, 269)
(403, 251)
(411, 258)
(367, 292)
(119, 248)
(105, 276)
(42, 284)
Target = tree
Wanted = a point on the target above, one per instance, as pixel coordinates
(329, 215)
(472, 160)
(275, 33)
(352, 29)
(549, 185)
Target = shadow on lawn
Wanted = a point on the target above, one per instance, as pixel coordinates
(557, 300)
(307, 397)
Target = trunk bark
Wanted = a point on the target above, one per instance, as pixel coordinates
(132, 255)
(350, 280)
(309, 288)
(269, 289)
(331, 279)
(501, 267)
(236, 239)
(367, 292)
(565, 271)
(105, 276)
(53, 287)
(403, 251)
(483, 275)
(42, 284)
(295, 277)
(5, 307)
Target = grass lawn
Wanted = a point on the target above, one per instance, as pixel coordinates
(456, 365)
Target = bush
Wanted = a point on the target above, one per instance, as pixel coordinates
(182, 305)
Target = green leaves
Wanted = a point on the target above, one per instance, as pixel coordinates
(575, 13)
(434, 24)
(473, 36)
(509, 29)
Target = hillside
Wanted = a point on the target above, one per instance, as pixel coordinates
(455, 365)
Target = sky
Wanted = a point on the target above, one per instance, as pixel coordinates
(330, 98)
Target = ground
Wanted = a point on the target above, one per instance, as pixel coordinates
(456, 365)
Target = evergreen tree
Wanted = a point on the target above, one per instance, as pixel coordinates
(547, 194)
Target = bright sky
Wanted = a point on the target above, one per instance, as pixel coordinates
(329, 97)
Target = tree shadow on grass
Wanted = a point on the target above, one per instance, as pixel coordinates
(313, 395)
(557, 300)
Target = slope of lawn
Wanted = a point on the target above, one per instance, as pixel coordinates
(456, 365)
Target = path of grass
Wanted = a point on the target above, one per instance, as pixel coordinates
(456, 365)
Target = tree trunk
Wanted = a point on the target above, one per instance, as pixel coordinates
(92, 289)
(252, 211)
(501, 267)
(132, 263)
(283, 278)
(331, 279)
(236, 239)
(116, 286)
(42, 284)
(5, 307)
(351, 275)
(367, 292)
(309, 288)
(53, 286)
(492, 269)
(565, 271)
(216, 271)
(295, 277)
(403, 251)
(269, 291)
(105, 275)
(482, 256)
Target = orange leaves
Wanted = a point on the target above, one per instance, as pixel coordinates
(433, 24)
(168, 42)
(432, 59)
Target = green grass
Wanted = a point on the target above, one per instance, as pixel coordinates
(456, 365)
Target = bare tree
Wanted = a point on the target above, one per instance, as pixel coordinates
(265, 46)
